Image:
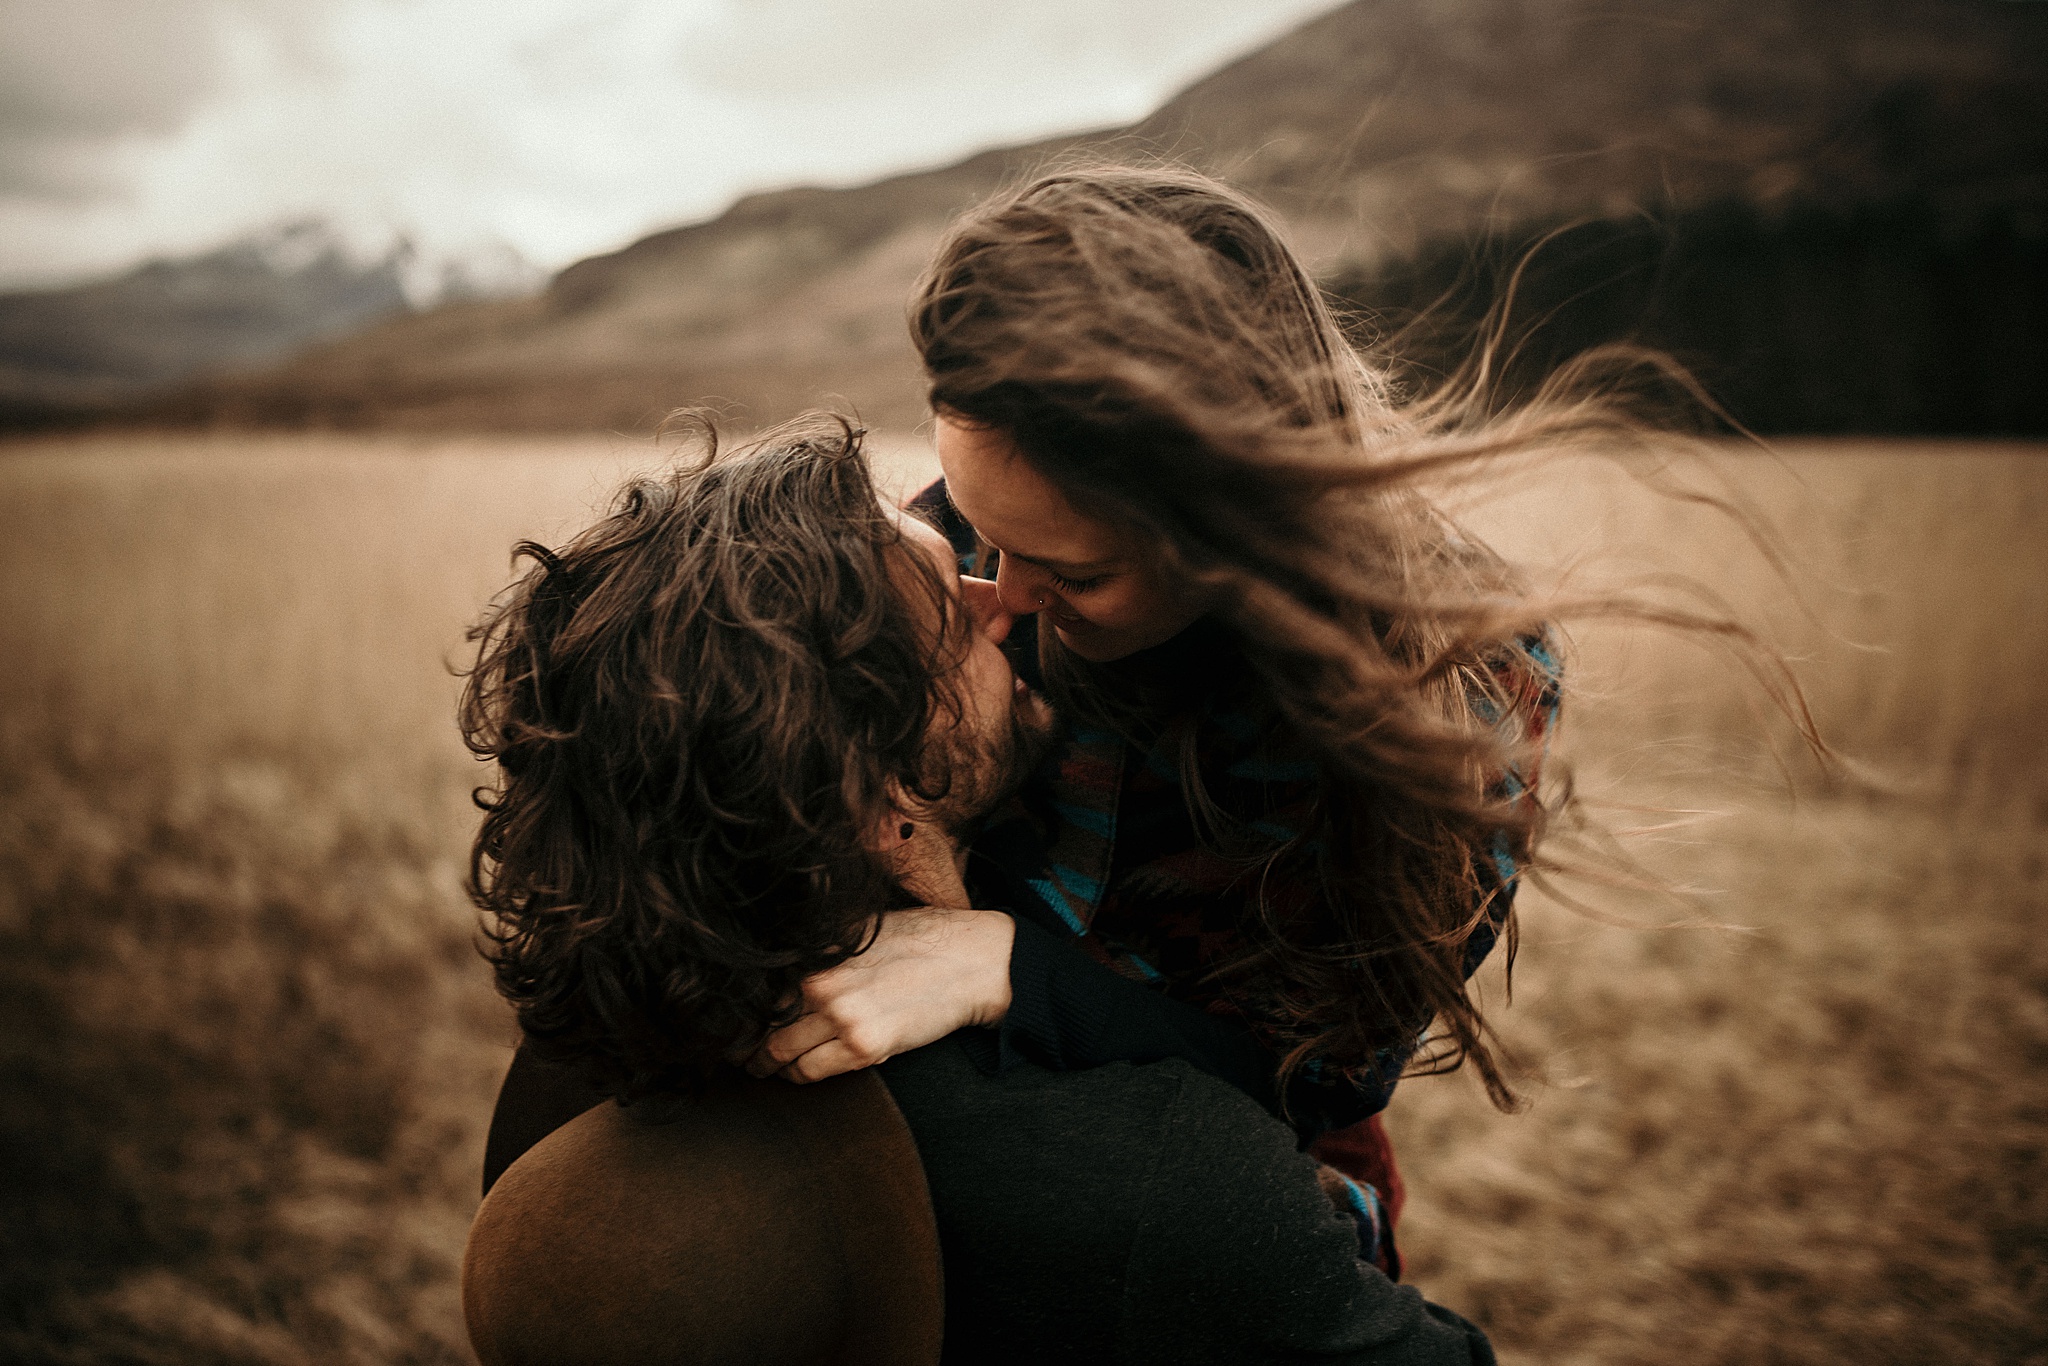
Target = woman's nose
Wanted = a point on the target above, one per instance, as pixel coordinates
(1016, 590)
(985, 604)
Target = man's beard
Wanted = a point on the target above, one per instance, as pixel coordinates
(984, 769)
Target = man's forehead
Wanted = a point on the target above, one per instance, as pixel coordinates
(927, 538)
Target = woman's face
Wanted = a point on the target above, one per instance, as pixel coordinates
(1099, 588)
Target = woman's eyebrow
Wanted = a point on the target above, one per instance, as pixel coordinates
(1069, 568)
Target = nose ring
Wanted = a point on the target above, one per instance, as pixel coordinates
(1041, 600)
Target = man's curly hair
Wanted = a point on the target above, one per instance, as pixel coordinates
(696, 708)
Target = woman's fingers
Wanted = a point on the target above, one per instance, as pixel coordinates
(829, 1059)
(815, 1048)
(928, 972)
(790, 1042)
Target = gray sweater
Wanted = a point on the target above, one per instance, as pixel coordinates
(1140, 1214)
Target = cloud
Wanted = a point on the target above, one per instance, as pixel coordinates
(560, 127)
(80, 79)
(79, 76)
(1003, 48)
(101, 68)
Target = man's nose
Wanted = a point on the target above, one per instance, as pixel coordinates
(985, 604)
(1018, 587)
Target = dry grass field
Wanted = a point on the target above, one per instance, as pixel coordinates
(247, 1050)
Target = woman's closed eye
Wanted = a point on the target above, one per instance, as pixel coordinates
(988, 556)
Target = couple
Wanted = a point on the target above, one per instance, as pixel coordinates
(1137, 864)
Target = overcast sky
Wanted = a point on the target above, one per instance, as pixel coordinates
(131, 128)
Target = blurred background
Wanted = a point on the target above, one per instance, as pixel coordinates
(313, 307)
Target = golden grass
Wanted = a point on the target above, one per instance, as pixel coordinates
(248, 1051)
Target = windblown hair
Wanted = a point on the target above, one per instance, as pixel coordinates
(1152, 346)
(696, 707)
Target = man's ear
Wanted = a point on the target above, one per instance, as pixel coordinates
(920, 852)
(891, 827)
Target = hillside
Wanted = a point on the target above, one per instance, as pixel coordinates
(1400, 138)
(783, 298)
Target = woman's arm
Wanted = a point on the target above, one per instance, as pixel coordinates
(932, 971)
(1068, 1012)
(929, 972)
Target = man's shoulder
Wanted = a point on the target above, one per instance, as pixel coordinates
(945, 1074)
(1144, 1213)
(1027, 1125)
(1120, 1112)
(1042, 1183)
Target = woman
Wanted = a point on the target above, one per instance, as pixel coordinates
(1303, 714)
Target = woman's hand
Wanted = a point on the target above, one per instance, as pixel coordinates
(929, 972)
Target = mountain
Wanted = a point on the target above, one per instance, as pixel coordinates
(92, 346)
(69, 354)
(1875, 172)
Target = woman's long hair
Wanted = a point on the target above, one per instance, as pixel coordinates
(1153, 347)
(695, 707)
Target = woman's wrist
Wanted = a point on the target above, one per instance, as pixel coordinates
(995, 935)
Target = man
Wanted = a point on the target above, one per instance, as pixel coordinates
(736, 720)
